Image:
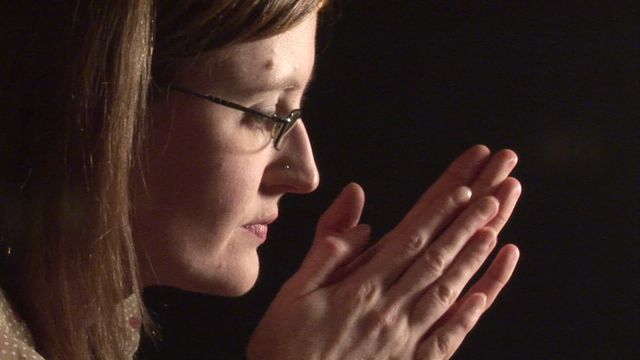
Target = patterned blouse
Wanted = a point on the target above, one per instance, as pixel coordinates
(16, 342)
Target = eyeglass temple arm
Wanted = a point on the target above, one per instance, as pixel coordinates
(229, 104)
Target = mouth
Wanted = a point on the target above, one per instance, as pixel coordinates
(260, 228)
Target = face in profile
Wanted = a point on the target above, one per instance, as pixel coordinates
(213, 178)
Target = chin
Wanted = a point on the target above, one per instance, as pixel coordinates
(223, 281)
(236, 289)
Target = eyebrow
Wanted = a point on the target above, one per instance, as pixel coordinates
(289, 82)
(286, 83)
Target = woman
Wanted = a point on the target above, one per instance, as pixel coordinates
(140, 147)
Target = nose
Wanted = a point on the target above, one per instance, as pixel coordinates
(294, 168)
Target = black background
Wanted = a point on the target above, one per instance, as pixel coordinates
(403, 88)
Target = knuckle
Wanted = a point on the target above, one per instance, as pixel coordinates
(390, 327)
(441, 296)
(334, 247)
(478, 257)
(466, 323)
(385, 317)
(362, 294)
(470, 261)
(435, 261)
(445, 294)
(413, 243)
(457, 198)
(443, 343)
(443, 210)
(496, 280)
(468, 227)
(488, 205)
(401, 342)
(501, 218)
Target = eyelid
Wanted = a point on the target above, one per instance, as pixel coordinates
(270, 111)
(283, 106)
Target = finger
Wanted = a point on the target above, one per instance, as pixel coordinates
(344, 213)
(492, 281)
(418, 232)
(338, 240)
(498, 274)
(438, 298)
(444, 341)
(402, 245)
(354, 263)
(493, 174)
(435, 260)
(461, 172)
(351, 247)
(507, 194)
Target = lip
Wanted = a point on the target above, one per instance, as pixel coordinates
(260, 228)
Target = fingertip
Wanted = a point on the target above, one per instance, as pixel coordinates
(513, 183)
(509, 191)
(344, 213)
(476, 154)
(509, 156)
(508, 256)
(513, 251)
(353, 192)
(480, 149)
(353, 186)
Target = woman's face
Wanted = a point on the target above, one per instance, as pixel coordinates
(211, 183)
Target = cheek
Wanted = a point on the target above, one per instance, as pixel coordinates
(203, 186)
(196, 242)
(196, 195)
(185, 157)
(195, 156)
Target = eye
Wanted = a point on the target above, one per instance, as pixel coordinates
(258, 126)
(257, 120)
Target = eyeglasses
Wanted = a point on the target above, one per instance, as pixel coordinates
(280, 126)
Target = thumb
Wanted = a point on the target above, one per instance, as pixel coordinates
(344, 213)
(338, 240)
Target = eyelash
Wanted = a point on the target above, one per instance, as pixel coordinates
(257, 121)
(262, 121)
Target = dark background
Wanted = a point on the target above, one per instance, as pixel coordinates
(402, 89)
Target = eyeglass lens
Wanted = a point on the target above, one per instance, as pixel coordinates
(283, 128)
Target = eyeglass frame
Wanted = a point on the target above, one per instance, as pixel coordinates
(287, 122)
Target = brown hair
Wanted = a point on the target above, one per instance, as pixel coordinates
(75, 76)
(198, 26)
(74, 81)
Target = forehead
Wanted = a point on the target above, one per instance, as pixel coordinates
(282, 61)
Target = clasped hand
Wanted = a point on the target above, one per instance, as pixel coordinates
(400, 298)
